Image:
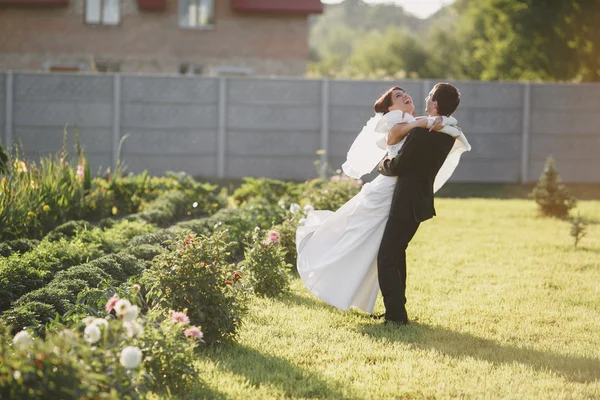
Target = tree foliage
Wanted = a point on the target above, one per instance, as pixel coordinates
(554, 40)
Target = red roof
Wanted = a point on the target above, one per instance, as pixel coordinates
(35, 3)
(279, 6)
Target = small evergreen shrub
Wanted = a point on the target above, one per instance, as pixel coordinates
(550, 194)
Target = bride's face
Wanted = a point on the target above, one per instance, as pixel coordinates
(402, 101)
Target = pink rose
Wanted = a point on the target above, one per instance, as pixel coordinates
(194, 332)
(180, 318)
(110, 304)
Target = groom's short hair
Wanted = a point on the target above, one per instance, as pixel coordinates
(447, 97)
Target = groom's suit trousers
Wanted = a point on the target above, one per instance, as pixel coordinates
(391, 266)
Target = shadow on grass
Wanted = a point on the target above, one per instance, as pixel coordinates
(460, 345)
(203, 392)
(267, 370)
(310, 301)
(313, 303)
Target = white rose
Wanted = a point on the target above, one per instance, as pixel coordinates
(302, 221)
(88, 320)
(92, 333)
(122, 306)
(295, 208)
(308, 208)
(131, 357)
(100, 321)
(133, 329)
(131, 314)
(22, 340)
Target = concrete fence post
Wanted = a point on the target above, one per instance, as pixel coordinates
(116, 123)
(222, 131)
(8, 108)
(526, 133)
(325, 125)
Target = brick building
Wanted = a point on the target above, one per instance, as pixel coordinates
(245, 37)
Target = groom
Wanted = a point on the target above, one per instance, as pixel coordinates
(416, 166)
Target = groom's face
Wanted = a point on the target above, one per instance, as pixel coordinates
(430, 105)
(401, 101)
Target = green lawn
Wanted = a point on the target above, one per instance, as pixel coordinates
(502, 307)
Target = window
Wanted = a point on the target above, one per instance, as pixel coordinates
(196, 13)
(103, 12)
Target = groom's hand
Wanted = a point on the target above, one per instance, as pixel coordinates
(438, 124)
(384, 167)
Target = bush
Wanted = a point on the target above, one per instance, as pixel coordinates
(330, 194)
(287, 239)
(117, 236)
(33, 314)
(109, 265)
(72, 286)
(203, 197)
(131, 265)
(20, 246)
(39, 371)
(237, 223)
(202, 226)
(165, 210)
(170, 355)
(552, 196)
(263, 214)
(67, 230)
(22, 274)
(16, 279)
(160, 237)
(122, 358)
(195, 275)
(37, 197)
(267, 190)
(578, 229)
(264, 264)
(53, 295)
(145, 252)
(90, 274)
(52, 368)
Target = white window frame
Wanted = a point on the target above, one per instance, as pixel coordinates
(102, 12)
(197, 14)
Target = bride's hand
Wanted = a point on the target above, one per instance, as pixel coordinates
(437, 124)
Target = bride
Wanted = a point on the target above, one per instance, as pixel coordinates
(337, 251)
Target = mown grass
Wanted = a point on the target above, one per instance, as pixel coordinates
(502, 306)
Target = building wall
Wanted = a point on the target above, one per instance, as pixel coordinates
(153, 42)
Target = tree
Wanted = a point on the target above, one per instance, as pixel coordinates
(550, 194)
(553, 40)
(392, 52)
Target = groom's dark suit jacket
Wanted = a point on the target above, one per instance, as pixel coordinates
(416, 166)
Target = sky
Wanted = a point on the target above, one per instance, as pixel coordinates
(419, 8)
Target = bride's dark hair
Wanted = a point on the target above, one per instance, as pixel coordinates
(385, 101)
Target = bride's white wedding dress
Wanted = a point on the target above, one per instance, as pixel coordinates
(337, 251)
